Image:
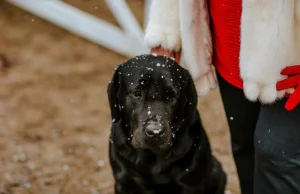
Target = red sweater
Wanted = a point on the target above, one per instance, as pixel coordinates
(226, 21)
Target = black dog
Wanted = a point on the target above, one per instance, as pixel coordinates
(157, 142)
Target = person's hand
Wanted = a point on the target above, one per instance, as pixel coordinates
(291, 84)
(163, 52)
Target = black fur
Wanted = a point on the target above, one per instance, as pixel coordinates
(154, 92)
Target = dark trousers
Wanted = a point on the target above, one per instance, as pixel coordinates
(265, 143)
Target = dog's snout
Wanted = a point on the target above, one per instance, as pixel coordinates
(153, 129)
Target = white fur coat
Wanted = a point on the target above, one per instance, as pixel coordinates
(269, 41)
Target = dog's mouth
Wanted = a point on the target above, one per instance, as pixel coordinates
(158, 142)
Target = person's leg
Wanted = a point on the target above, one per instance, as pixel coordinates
(242, 117)
(277, 150)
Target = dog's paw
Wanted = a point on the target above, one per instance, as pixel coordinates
(205, 83)
(265, 93)
(169, 40)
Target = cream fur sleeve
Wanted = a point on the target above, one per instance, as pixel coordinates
(268, 45)
(197, 43)
(163, 25)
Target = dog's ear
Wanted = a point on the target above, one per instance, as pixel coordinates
(112, 91)
(191, 96)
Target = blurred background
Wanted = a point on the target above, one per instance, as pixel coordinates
(54, 114)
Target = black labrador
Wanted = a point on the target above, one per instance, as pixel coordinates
(157, 143)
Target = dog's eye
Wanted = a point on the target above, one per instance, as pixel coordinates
(137, 93)
(171, 95)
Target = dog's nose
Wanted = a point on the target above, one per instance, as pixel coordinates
(154, 130)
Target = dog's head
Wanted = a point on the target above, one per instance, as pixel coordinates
(152, 97)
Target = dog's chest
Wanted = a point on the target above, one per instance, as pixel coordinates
(159, 174)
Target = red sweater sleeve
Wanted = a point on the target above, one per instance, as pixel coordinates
(226, 21)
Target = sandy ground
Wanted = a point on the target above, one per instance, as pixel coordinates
(54, 115)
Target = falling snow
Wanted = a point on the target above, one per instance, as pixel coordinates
(27, 185)
(27, 160)
(100, 163)
(65, 167)
(31, 165)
